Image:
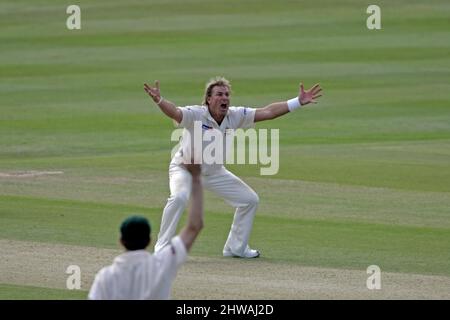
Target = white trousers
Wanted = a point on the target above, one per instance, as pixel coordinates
(223, 183)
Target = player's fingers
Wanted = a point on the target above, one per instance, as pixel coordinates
(315, 97)
(302, 89)
(194, 169)
(315, 87)
(316, 91)
(150, 92)
(147, 90)
(157, 84)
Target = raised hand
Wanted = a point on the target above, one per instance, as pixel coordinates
(194, 169)
(310, 95)
(153, 92)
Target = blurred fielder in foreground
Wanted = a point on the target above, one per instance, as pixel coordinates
(136, 274)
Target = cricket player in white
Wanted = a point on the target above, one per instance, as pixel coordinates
(216, 113)
(138, 275)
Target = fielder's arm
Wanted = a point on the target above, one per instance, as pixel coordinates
(169, 108)
(195, 217)
(277, 109)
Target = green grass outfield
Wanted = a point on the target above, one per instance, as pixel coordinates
(364, 175)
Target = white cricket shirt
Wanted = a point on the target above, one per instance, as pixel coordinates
(139, 275)
(237, 117)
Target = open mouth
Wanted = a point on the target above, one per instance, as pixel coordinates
(223, 106)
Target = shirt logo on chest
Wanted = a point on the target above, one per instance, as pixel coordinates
(206, 127)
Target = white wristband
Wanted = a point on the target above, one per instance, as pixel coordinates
(293, 104)
(160, 100)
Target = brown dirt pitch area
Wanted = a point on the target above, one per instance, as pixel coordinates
(44, 265)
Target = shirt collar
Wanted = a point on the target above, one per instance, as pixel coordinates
(210, 117)
(131, 256)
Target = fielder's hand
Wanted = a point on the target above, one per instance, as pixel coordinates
(194, 169)
(153, 92)
(310, 95)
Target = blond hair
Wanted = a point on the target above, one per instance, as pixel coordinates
(214, 82)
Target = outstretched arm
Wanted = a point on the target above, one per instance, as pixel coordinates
(166, 106)
(195, 217)
(277, 109)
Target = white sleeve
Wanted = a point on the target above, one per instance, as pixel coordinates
(246, 117)
(173, 255)
(190, 114)
(179, 250)
(96, 292)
